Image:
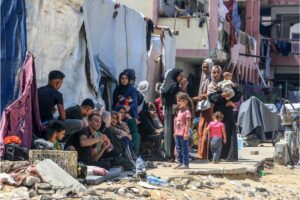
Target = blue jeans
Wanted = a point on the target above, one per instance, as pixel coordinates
(182, 148)
(216, 148)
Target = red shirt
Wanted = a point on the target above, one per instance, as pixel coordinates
(216, 129)
(159, 108)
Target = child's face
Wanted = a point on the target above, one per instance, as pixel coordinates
(114, 120)
(181, 103)
(123, 113)
(108, 122)
(124, 80)
(228, 77)
(60, 135)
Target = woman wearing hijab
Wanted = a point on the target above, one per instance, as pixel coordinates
(206, 115)
(218, 98)
(169, 90)
(126, 95)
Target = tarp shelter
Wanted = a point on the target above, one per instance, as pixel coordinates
(255, 116)
(85, 39)
(13, 48)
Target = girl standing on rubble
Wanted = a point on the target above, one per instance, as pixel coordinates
(182, 124)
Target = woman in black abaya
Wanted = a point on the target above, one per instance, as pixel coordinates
(168, 92)
(218, 98)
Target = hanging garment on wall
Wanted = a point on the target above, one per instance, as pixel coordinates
(21, 118)
(13, 48)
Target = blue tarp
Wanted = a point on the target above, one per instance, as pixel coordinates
(13, 47)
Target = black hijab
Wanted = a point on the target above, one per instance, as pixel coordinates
(171, 81)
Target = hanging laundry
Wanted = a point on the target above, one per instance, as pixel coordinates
(150, 30)
(284, 47)
(234, 20)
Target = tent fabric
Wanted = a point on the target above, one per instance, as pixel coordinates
(169, 50)
(13, 47)
(120, 41)
(254, 115)
(56, 38)
(21, 118)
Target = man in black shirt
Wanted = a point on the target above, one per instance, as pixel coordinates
(86, 140)
(50, 98)
(79, 112)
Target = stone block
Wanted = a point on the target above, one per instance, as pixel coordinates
(51, 173)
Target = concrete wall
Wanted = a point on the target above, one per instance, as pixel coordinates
(143, 6)
(194, 37)
(186, 67)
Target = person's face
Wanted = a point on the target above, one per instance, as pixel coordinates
(180, 77)
(216, 74)
(58, 83)
(87, 111)
(228, 77)
(114, 120)
(205, 68)
(124, 80)
(181, 103)
(107, 122)
(123, 113)
(60, 135)
(95, 122)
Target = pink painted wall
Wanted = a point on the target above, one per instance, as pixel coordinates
(213, 23)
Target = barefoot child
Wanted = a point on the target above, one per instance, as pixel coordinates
(182, 124)
(216, 130)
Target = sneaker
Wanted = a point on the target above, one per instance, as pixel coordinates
(177, 166)
(184, 167)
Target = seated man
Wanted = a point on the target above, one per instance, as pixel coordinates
(86, 140)
(49, 97)
(79, 112)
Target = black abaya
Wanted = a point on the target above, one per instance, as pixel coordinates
(230, 149)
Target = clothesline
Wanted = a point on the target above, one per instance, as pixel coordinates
(265, 38)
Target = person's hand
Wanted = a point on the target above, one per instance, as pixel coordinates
(102, 138)
(224, 140)
(230, 104)
(105, 145)
(152, 114)
(186, 136)
(137, 121)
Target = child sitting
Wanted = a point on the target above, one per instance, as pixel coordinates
(216, 130)
(119, 127)
(55, 134)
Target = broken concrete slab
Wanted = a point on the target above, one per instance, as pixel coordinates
(94, 180)
(51, 173)
(8, 166)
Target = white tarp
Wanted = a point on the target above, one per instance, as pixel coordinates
(169, 51)
(55, 39)
(119, 42)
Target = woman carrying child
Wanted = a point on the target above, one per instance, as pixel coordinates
(182, 124)
(225, 105)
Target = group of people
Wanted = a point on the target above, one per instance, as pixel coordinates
(105, 138)
(101, 138)
(217, 137)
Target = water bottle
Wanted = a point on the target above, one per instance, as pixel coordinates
(139, 166)
(156, 181)
(240, 142)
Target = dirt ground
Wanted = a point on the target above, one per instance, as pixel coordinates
(279, 182)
